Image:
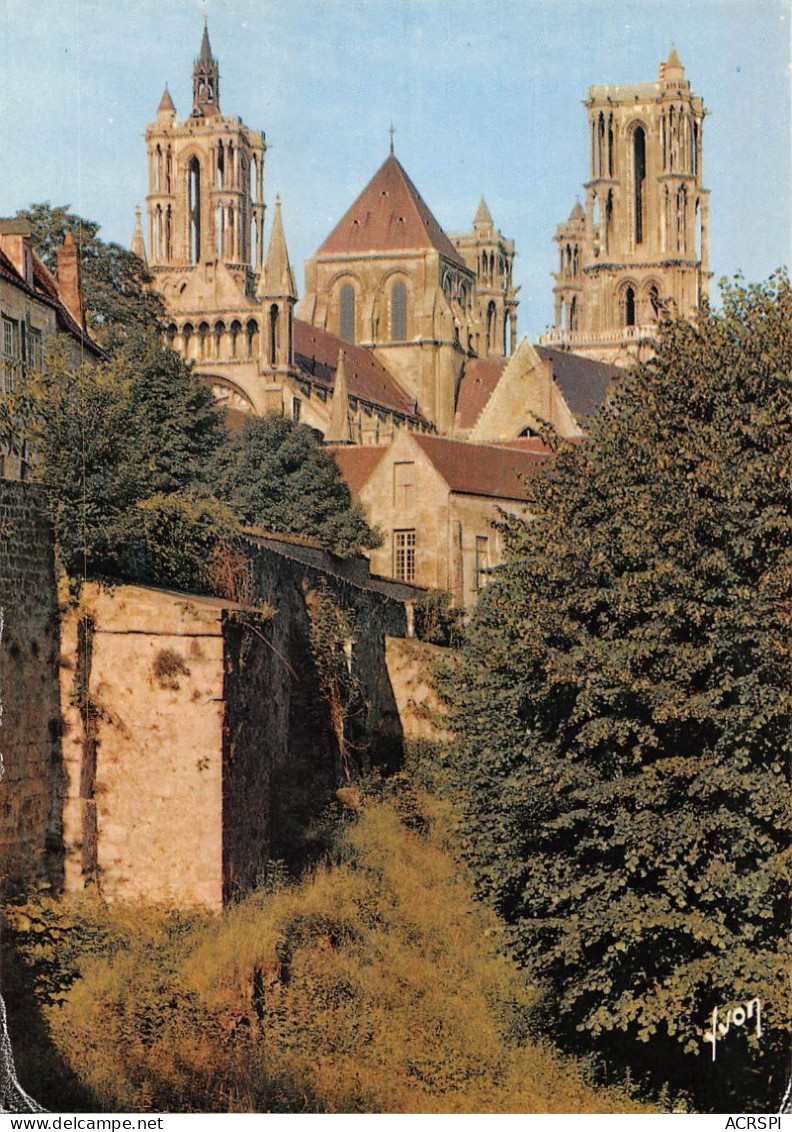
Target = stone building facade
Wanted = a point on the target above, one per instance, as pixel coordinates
(640, 245)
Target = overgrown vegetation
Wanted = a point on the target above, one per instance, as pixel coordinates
(625, 713)
(373, 985)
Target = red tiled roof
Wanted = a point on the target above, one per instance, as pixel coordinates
(316, 355)
(479, 378)
(356, 462)
(481, 469)
(389, 215)
(45, 289)
(584, 382)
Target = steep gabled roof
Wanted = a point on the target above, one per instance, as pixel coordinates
(479, 378)
(316, 356)
(356, 462)
(389, 215)
(481, 469)
(584, 382)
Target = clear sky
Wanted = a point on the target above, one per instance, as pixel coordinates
(485, 96)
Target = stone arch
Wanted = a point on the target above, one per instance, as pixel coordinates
(628, 303)
(252, 336)
(203, 341)
(234, 333)
(220, 336)
(188, 341)
(229, 394)
(651, 301)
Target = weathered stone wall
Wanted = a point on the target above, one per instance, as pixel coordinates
(410, 666)
(201, 739)
(31, 786)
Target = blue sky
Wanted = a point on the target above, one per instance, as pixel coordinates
(485, 96)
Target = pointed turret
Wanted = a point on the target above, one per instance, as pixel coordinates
(277, 280)
(672, 70)
(339, 430)
(483, 216)
(138, 245)
(206, 80)
(166, 107)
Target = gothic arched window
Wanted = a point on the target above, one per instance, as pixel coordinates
(491, 317)
(273, 335)
(639, 176)
(629, 307)
(194, 194)
(398, 312)
(346, 315)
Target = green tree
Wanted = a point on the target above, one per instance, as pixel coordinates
(117, 303)
(276, 476)
(625, 718)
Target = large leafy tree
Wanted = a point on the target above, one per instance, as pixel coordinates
(625, 718)
(117, 303)
(135, 453)
(276, 476)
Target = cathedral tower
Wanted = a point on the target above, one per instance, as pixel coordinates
(491, 256)
(641, 245)
(205, 199)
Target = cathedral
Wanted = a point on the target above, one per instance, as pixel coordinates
(406, 329)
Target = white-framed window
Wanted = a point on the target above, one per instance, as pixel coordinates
(10, 337)
(36, 350)
(404, 555)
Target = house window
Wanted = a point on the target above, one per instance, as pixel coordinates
(36, 350)
(482, 561)
(10, 338)
(11, 357)
(404, 555)
(403, 483)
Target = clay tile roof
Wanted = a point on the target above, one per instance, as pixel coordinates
(356, 462)
(479, 378)
(481, 469)
(316, 355)
(389, 215)
(583, 381)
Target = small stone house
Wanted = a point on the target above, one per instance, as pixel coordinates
(434, 500)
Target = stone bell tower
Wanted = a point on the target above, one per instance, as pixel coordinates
(640, 247)
(205, 199)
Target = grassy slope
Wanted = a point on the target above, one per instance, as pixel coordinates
(372, 986)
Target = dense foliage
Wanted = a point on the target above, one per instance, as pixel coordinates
(144, 480)
(117, 303)
(276, 476)
(625, 717)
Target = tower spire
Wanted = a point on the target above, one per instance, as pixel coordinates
(276, 278)
(138, 245)
(206, 79)
(339, 430)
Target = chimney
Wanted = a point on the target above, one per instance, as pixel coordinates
(69, 279)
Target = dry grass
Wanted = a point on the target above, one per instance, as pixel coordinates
(372, 986)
